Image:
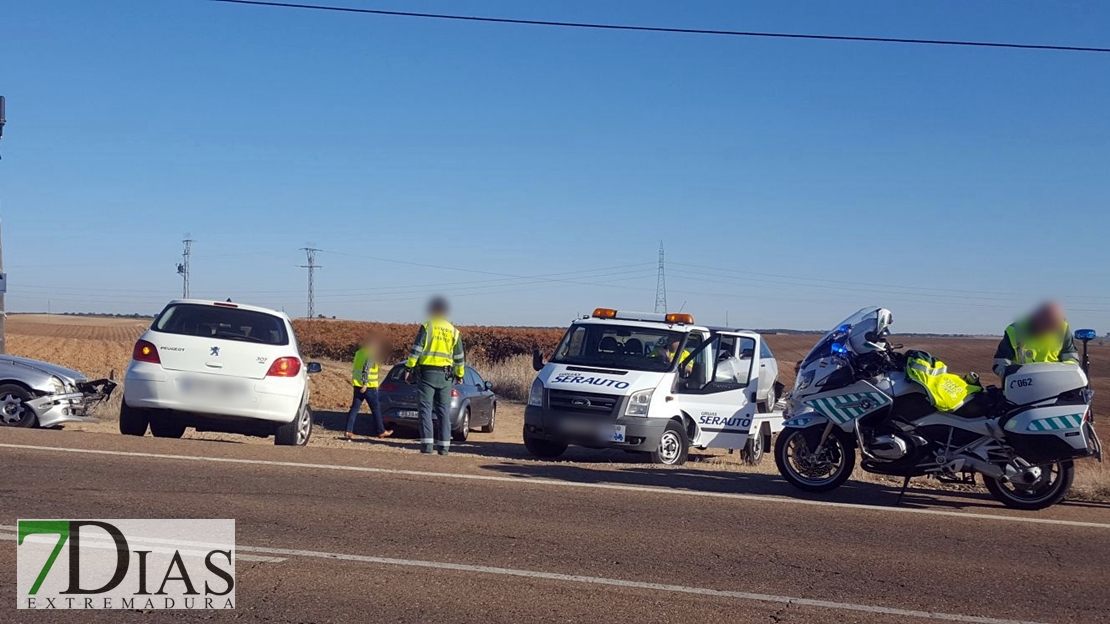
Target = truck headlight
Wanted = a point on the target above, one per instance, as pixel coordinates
(535, 394)
(638, 403)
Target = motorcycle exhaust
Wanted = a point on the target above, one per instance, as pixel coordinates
(1010, 474)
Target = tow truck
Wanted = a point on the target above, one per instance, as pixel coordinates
(654, 383)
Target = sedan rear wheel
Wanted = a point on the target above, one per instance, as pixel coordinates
(463, 432)
(298, 432)
(132, 421)
(14, 411)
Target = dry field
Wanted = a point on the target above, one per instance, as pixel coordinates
(101, 346)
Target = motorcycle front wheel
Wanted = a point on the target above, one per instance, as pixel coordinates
(1049, 489)
(818, 470)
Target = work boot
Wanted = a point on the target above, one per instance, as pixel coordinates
(426, 449)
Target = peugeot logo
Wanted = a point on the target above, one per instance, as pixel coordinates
(214, 351)
(580, 402)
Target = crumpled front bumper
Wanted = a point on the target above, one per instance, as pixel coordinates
(77, 406)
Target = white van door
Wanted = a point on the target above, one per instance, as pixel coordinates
(717, 389)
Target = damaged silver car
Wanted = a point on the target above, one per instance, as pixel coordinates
(40, 394)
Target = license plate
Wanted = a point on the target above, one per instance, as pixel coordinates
(408, 414)
(576, 427)
(211, 388)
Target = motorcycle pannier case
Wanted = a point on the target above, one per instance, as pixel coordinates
(1046, 434)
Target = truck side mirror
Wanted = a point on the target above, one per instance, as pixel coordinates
(537, 360)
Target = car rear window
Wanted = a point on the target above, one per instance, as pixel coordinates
(209, 321)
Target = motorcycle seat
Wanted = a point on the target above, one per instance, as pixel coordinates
(980, 404)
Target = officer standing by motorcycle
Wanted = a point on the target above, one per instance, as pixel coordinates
(1042, 337)
(437, 359)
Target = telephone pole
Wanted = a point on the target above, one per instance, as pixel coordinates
(311, 266)
(661, 284)
(3, 277)
(183, 268)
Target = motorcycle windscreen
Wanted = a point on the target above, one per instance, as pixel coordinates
(717, 388)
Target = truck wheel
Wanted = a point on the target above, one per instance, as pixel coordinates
(132, 421)
(753, 450)
(14, 411)
(674, 446)
(545, 449)
(160, 427)
(297, 432)
(463, 432)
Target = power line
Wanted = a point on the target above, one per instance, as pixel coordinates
(671, 30)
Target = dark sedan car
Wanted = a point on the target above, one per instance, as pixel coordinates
(473, 403)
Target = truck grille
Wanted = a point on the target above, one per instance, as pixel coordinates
(583, 403)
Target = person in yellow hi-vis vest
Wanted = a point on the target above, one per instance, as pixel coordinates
(1042, 337)
(364, 380)
(437, 358)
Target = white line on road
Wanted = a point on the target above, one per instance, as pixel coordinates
(573, 484)
(611, 582)
(93, 543)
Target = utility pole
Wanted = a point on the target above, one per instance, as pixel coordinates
(183, 268)
(3, 277)
(661, 284)
(311, 266)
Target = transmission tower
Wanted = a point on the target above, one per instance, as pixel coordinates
(183, 267)
(661, 284)
(311, 266)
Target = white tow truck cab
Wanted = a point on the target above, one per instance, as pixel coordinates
(652, 383)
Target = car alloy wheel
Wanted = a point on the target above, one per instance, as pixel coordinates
(304, 427)
(12, 409)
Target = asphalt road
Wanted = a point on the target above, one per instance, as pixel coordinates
(397, 537)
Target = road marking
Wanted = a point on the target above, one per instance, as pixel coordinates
(572, 484)
(143, 543)
(610, 582)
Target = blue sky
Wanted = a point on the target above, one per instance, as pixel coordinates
(529, 173)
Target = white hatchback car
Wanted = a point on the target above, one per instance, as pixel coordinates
(218, 366)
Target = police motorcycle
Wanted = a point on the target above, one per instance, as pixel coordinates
(855, 391)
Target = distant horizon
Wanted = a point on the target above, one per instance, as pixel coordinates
(769, 331)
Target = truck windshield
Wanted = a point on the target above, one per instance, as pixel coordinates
(617, 346)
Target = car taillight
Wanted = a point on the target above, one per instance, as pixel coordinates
(285, 367)
(388, 387)
(145, 352)
(454, 392)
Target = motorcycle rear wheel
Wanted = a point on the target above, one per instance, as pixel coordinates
(1051, 489)
(819, 471)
